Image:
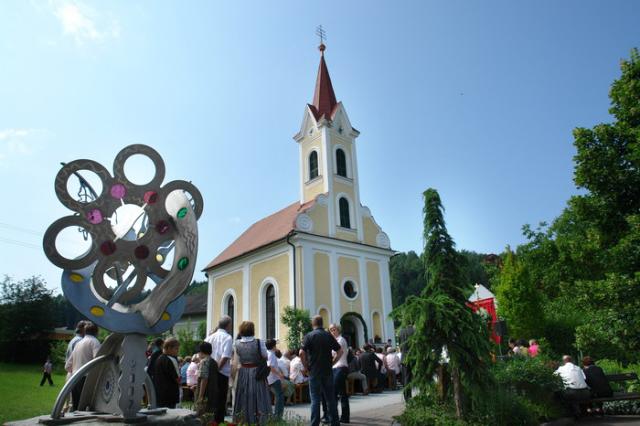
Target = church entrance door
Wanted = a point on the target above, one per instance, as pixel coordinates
(349, 332)
(354, 330)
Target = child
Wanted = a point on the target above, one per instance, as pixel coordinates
(46, 372)
(206, 392)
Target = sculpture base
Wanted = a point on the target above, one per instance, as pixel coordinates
(159, 417)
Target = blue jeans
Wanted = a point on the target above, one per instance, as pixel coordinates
(320, 386)
(340, 388)
(278, 409)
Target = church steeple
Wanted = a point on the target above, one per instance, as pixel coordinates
(324, 99)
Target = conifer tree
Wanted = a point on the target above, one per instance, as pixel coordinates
(443, 323)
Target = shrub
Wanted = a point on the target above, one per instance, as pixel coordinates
(188, 345)
(424, 410)
(533, 381)
(58, 351)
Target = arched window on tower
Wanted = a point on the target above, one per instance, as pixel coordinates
(341, 161)
(270, 307)
(231, 311)
(345, 220)
(313, 165)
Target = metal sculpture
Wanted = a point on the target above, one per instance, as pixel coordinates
(133, 228)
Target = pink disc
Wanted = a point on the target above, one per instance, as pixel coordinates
(118, 191)
(94, 216)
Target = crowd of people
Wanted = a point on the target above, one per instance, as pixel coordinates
(522, 347)
(259, 379)
(255, 376)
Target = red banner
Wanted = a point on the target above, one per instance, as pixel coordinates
(489, 306)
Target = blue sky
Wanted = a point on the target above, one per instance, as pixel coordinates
(476, 99)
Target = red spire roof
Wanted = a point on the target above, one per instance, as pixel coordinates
(324, 99)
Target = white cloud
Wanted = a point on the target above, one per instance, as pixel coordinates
(83, 23)
(234, 220)
(13, 143)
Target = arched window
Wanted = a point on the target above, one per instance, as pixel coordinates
(345, 220)
(231, 311)
(341, 161)
(270, 307)
(313, 165)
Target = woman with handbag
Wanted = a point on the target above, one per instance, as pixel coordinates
(253, 401)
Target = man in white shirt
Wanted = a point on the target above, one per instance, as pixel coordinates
(83, 352)
(340, 373)
(575, 386)
(296, 371)
(275, 379)
(73, 342)
(222, 345)
(393, 366)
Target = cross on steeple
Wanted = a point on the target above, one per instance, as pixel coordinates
(320, 32)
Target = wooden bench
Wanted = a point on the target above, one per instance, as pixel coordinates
(350, 386)
(617, 395)
(301, 392)
(187, 393)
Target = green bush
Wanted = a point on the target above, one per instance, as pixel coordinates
(622, 407)
(423, 410)
(58, 351)
(533, 381)
(188, 345)
(505, 407)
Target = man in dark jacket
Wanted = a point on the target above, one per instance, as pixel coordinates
(595, 378)
(371, 366)
(318, 360)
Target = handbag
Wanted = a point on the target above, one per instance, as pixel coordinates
(262, 369)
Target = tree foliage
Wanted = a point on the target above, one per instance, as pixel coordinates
(585, 264)
(406, 272)
(26, 309)
(519, 300)
(299, 323)
(442, 321)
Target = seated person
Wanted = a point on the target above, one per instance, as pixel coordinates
(575, 386)
(356, 374)
(284, 365)
(371, 366)
(192, 371)
(296, 371)
(595, 378)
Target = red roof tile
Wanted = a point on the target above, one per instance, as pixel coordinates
(262, 233)
(324, 99)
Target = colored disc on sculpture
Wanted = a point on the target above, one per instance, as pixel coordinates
(110, 283)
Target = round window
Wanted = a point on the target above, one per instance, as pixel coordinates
(350, 289)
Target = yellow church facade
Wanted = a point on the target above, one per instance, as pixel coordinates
(324, 253)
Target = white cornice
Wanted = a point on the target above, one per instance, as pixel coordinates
(334, 243)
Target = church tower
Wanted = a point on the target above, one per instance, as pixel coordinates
(328, 162)
(324, 252)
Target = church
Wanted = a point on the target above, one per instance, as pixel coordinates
(324, 253)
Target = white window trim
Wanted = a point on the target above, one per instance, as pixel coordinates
(373, 325)
(356, 288)
(308, 174)
(347, 160)
(262, 306)
(352, 219)
(223, 305)
(326, 308)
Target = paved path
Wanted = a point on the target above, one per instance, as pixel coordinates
(375, 409)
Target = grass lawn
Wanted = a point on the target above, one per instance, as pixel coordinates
(21, 396)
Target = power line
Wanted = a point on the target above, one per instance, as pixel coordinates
(20, 243)
(21, 229)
